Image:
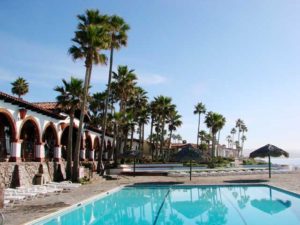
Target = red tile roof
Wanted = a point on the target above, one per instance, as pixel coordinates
(47, 105)
(30, 106)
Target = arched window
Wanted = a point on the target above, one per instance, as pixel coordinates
(7, 135)
(50, 140)
(30, 137)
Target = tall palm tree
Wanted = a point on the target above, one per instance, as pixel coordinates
(124, 83)
(20, 87)
(243, 130)
(202, 135)
(139, 106)
(229, 140)
(123, 88)
(96, 108)
(154, 116)
(243, 138)
(174, 122)
(199, 109)
(69, 98)
(143, 119)
(117, 32)
(214, 121)
(90, 38)
(233, 132)
(239, 124)
(220, 124)
(164, 108)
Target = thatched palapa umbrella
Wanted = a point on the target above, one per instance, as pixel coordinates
(186, 154)
(268, 151)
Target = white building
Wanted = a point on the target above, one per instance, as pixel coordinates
(38, 132)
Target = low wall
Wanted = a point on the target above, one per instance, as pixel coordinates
(23, 173)
(163, 165)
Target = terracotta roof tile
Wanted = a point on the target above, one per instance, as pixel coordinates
(46, 105)
(27, 105)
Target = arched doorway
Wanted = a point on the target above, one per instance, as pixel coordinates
(88, 146)
(7, 135)
(96, 148)
(30, 137)
(50, 140)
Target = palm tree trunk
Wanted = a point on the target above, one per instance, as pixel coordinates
(70, 147)
(88, 73)
(117, 148)
(100, 167)
(198, 131)
(143, 136)
(213, 146)
(140, 136)
(151, 144)
(131, 137)
(156, 145)
(218, 142)
(170, 143)
(162, 138)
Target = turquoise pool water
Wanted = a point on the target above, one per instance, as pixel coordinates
(201, 205)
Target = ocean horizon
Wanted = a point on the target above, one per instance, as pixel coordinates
(285, 161)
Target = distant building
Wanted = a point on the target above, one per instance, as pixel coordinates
(221, 150)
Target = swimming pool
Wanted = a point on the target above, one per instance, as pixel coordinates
(184, 204)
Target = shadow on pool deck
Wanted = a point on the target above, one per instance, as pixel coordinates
(246, 181)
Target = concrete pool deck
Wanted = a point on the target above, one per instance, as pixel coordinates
(40, 207)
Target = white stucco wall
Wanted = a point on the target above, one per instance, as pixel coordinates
(42, 122)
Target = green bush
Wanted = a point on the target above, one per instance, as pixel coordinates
(251, 161)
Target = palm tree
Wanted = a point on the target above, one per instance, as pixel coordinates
(233, 132)
(215, 122)
(20, 87)
(179, 138)
(243, 138)
(229, 140)
(123, 85)
(90, 38)
(199, 109)
(220, 124)
(154, 116)
(123, 88)
(164, 108)
(239, 124)
(174, 123)
(202, 135)
(143, 118)
(96, 108)
(69, 98)
(174, 138)
(244, 128)
(117, 32)
(139, 106)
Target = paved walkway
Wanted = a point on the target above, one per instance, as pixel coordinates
(37, 208)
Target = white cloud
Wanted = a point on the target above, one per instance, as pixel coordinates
(151, 79)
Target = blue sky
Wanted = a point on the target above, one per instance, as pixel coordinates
(240, 58)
